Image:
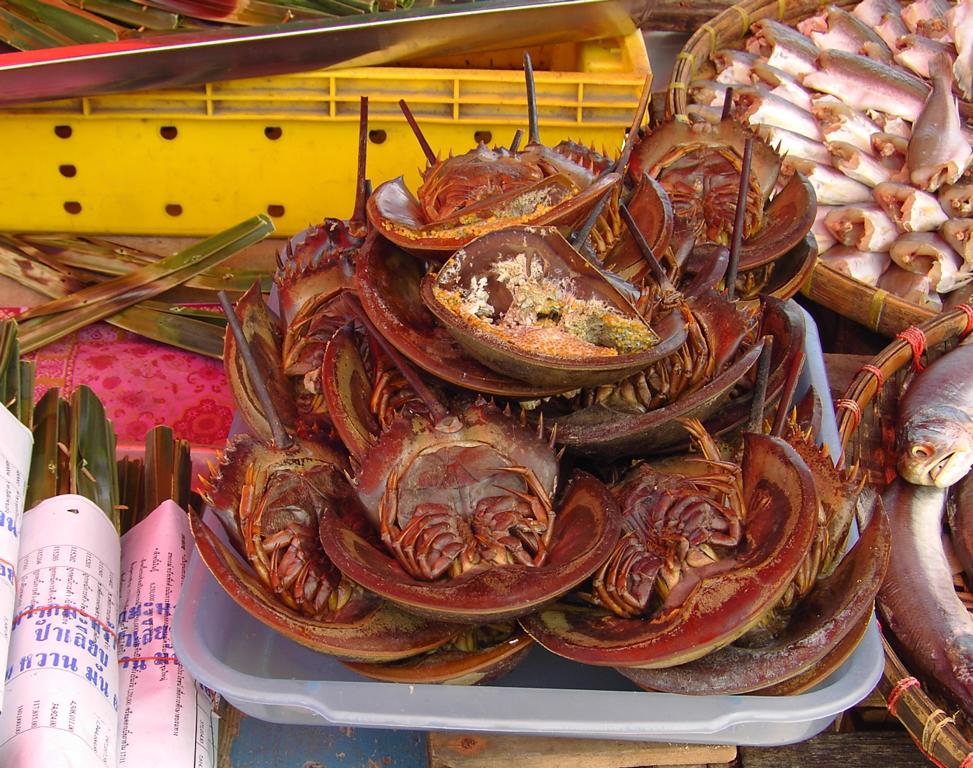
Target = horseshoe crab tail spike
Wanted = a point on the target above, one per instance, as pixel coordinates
(437, 410)
(533, 131)
(633, 130)
(580, 238)
(411, 120)
(515, 144)
(787, 394)
(736, 241)
(654, 266)
(760, 387)
(553, 436)
(540, 426)
(727, 103)
(281, 438)
(358, 217)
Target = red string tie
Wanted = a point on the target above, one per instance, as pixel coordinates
(968, 311)
(877, 373)
(966, 762)
(898, 689)
(851, 405)
(917, 340)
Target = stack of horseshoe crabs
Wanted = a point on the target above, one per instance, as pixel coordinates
(514, 409)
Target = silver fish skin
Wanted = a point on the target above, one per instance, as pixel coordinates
(734, 67)
(959, 22)
(783, 85)
(872, 11)
(911, 287)
(857, 164)
(959, 234)
(911, 209)
(923, 10)
(915, 52)
(830, 186)
(833, 28)
(864, 266)
(783, 47)
(865, 227)
(864, 83)
(938, 151)
(928, 254)
(839, 122)
(890, 28)
(822, 235)
(787, 142)
(756, 108)
(957, 200)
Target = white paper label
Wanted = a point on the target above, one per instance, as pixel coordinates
(15, 446)
(164, 721)
(62, 672)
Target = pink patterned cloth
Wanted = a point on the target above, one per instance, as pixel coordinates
(142, 383)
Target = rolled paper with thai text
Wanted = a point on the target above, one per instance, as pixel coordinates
(164, 721)
(15, 448)
(61, 691)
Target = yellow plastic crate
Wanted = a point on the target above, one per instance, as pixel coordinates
(197, 160)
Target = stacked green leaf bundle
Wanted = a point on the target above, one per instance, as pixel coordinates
(165, 473)
(16, 375)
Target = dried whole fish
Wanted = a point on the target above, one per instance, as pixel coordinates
(783, 47)
(916, 52)
(823, 236)
(865, 266)
(782, 84)
(866, 227)
(911, 287)
(957, 200)
(734, 67)
(833, 28)
(857, 164)
(872, 11)
(793, 144)
(928, 254)
(831, 187)
(756, 108)
(923, 10)
(911, 209)
(891, 150)
(839, 122)
(939, 153)
(959, 22)
(959, 234)
(863, 83)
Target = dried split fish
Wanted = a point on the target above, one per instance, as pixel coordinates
(916, 52)
(959, 234)
(911, 209)
(926, 253)
(783, 47)
(866, 227)
(793, 144)
(857, 164)
(910, 286)
(959, 22)
(957, 200)
(839, 122)
(865, 266)
(831, 187)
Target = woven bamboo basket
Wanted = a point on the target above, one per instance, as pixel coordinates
(866, 423)
(872, 307)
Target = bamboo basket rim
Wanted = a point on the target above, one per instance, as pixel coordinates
(931, 727)
(872, 307)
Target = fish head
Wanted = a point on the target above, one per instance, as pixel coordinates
(936, 450)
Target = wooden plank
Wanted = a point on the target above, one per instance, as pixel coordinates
(889, 749)
(475, 750)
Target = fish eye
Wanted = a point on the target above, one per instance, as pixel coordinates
(922, 451)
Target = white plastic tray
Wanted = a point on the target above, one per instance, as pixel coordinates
(272, 678)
